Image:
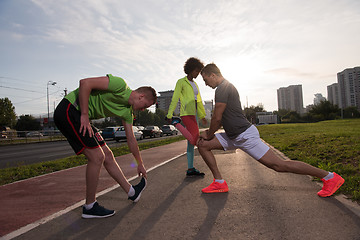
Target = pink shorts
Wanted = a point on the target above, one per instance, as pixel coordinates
(248, 141)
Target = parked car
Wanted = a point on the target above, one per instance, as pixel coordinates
(4, 132)
(120, 134)
(152, 131)
(140, 127)
(109, 132)
(169, 130)
(34, 134)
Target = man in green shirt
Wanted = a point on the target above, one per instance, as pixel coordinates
(96, 98)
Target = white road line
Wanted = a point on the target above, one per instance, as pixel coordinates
(44, 220)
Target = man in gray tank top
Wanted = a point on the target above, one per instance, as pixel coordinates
(241, 134)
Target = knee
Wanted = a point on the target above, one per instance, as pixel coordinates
(108, 156)
(97, 158)
(202, 147)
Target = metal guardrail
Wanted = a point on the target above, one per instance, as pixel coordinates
(17, 137)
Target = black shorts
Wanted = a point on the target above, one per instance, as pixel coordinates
(67, 120)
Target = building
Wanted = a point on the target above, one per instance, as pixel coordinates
(266, 118)
(291, 98)
(333, 94)
(164, 100)
(208, 108)
(318, 98)
(349, 88)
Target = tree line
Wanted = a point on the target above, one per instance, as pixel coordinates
(323, 111)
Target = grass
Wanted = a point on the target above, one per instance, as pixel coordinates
(330, 145)
(11, 140)
(9, 175)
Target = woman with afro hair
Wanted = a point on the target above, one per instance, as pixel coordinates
(191, 109)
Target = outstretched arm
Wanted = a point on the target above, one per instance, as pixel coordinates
(134, 148)
(215, 123)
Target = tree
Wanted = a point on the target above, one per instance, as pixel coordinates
(27, 123)
(144, 118)
(291, 117)
(7, 113)
(159, 118)
(351, 112)
(325, 110)
(250, 112)
(282, 112)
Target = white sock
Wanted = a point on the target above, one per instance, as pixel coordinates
(219, 180)
(131, 192)
(89, 206)
(329, 176)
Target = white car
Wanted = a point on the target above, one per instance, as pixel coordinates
(34, 134)
(120, 134)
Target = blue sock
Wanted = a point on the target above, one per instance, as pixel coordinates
(329, 176)
(220, 181)
(190, 155)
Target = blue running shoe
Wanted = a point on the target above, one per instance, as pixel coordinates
(138, 190)
(175, 120)
(97, 211)
(194, 172)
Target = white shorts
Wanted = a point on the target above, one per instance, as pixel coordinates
(248, 141)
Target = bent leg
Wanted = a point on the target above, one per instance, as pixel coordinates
(114, 170)
(273, 161)
(191, 132)
(205, 148)
(184, 132)
(95, 159)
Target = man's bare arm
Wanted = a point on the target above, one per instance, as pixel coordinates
(85, 88)
(134, 148)
(215, 123)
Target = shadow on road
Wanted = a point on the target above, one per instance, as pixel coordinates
(156, 215)
(215, 203)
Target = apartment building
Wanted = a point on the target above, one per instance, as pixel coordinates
(164, 100)
(291, 98)
(318, 98)
(209, 107)
(349, 88)
(333, 94)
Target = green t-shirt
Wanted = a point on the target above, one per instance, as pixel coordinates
(112, 102)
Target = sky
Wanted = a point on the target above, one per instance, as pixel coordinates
(258, 45)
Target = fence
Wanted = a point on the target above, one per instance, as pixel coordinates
(16, 137)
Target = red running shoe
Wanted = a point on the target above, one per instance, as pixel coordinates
(216, 187)
(330, 186)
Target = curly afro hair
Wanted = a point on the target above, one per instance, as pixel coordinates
(192, 64)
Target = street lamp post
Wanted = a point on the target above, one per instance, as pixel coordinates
(47, 91)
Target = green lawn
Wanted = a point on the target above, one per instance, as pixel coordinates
(330, 145)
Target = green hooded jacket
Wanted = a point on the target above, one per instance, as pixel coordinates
(185, 92)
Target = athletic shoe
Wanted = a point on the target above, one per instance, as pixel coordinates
(138, 190)
(175, 120)
(215, 187)
(330, 186)
(194, 172)
(97, 211)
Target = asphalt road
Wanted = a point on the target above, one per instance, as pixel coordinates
(25, 154)
(261, 204)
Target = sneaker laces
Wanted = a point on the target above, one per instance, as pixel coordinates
(326, 186)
